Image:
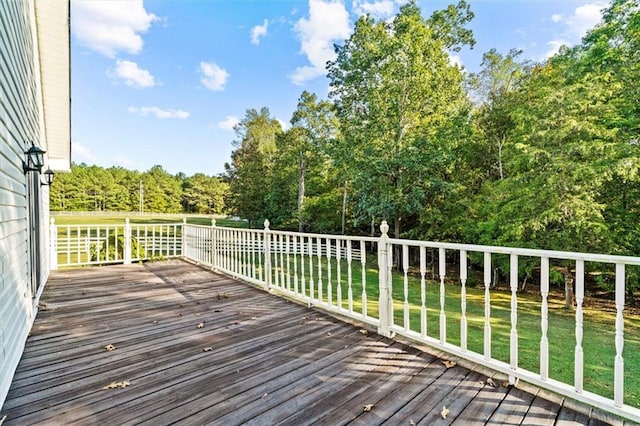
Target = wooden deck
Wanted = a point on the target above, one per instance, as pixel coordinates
(193, 347)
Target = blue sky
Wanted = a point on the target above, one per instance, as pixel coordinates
(164, 81)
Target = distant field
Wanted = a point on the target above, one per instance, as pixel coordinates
(150, 218)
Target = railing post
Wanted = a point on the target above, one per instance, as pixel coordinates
(267, 255)
(214, 246)
(53, 245)
(384, 300)
(127, 242)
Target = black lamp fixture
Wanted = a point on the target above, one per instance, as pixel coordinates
(48, 177)
(35, 159)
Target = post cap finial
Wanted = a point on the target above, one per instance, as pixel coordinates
(384, 227)
(126, 220)
(213, 221)
(266, 224)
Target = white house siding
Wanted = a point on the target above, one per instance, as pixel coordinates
(22, 121)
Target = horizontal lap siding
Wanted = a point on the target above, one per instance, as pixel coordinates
(20, 123)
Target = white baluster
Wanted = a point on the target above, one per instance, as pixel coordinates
(618, 391)
(443, 317)
(579, 355)
(319, 282)
(349, 278)
(312, 294)
(544, 324)
(405, 268)
(338, 273)
(463, 300)
(363, 262)
(514, 315)
(288, 248)
(302, 262)
(282, 270)
(260, 249)
(295, 265)
(329, 292)
(392, 316)
(423, 292)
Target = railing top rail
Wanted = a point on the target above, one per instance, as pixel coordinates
(304, 234)
(551, 254)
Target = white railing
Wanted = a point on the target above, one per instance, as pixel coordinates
(435, 293)
(100, 244)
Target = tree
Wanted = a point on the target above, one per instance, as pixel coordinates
(251, 164)
(313, 124)
(396, 92)
(492, 88)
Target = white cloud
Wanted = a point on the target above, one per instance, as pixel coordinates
(585, 17)
(111, 26)
(81, 153)
(283, 124)
(456, 60)
(582, 19)
(381, 10)
(259, 31)
(554, 46)
(125, 162)
(228, 123)
(213, 77)
(328, 22)
(159, 112)
(133, 75)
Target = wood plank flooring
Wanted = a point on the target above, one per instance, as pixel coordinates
(194, 347)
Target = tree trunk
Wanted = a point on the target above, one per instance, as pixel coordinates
(568, 289)
(301, 176)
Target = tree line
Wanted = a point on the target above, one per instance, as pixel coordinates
(94, 188)
(522, 153)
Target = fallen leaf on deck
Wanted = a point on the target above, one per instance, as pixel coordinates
(264, 395)
(208, 349)
(201, 325)
(42, 306)
(363, 331)
(180, 314)
(491, 383)
(412, 422)
(506, 384)
(367, 408)
(445, 412)
(448, 364)
(329, 334)
(114, 385)
(199, 292)
(110, 347)
(155, 322)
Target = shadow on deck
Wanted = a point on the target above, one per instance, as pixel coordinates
(194, 347)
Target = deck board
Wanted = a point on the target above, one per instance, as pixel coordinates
(271, 361)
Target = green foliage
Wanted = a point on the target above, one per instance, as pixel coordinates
(93, 188)
(112, 248)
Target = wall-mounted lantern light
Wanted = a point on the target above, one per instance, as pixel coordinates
(35, 159)
(48, 177)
